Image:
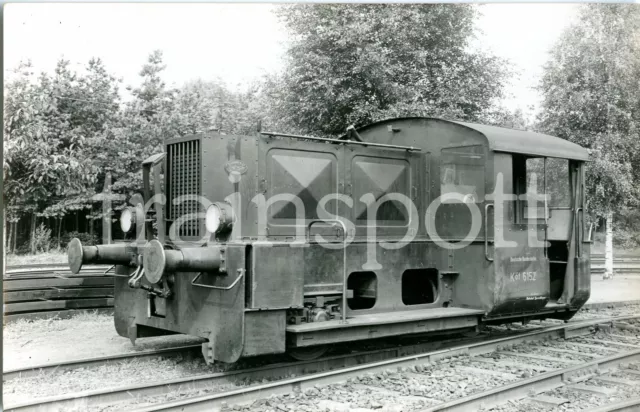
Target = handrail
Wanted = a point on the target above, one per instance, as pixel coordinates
(486, 231)
(235, 282)
(579, 229)
(344, 259)
(322, 139)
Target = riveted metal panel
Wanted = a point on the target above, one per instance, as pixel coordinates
(374, 175)
(214, 314)
(277, 276)
(307, 171)
(499, 139)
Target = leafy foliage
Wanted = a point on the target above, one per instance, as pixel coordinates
(591, 97)
(45, 140)
(42, 239)
(354, 64)
(64, 132)
(86, 238)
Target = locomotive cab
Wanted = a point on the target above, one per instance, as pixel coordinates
(281, 243)
(524, 192)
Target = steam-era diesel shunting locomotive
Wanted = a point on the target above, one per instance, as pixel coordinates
(396, 228)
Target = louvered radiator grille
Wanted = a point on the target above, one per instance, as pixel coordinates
(183, 169)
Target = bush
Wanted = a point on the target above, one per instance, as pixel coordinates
(23, 249)
(42, 238)
(86, 238)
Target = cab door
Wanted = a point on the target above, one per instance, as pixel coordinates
(516, 246)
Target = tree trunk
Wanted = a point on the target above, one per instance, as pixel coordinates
(4, 255)
(34, 219)
(15, 235)
(59, 230)
(106, 211)
(5, 242)
(608, 246)
(9, 237)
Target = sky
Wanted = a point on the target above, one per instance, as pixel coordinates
(524, 34)
(236, 42)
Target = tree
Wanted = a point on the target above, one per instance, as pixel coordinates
(44, 147)
(591, 97)
(150, 96)
(92, 106)
(509, 119)
(354, 64)
(138, 131)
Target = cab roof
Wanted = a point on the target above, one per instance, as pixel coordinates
(501, 139)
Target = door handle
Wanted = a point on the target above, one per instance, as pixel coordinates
(579, 229)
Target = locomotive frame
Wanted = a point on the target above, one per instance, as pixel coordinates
(273, 278)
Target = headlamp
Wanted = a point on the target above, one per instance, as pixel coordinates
(126, 219)
(219, 217)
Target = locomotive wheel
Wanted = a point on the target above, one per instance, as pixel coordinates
(307, 354)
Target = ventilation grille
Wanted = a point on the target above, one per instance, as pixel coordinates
(183, 169)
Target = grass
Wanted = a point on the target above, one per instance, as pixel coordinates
(88, 320)
(54, 256)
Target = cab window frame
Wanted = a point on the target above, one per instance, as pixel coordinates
(521, 185)
(481, 182)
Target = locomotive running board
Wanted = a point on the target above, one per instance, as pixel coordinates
(382, 325)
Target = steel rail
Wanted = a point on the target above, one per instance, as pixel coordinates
(50, 367)
(98, 397)
(629, 405)
(345, 366)
(50, 290)
(542, 383)
(249, 394)
(47, 266)
(96, 361)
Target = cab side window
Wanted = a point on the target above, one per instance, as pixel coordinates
(558, 185)
(462, 172)
(538, 172)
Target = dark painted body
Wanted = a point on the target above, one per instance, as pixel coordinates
(274, 270)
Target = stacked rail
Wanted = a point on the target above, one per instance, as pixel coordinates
(42, 291)
(624, 264)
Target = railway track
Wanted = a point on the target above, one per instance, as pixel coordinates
(240, 387)
(48, 368)
(42, 291)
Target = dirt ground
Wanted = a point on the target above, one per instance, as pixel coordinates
(617, 289)
(27, 343)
